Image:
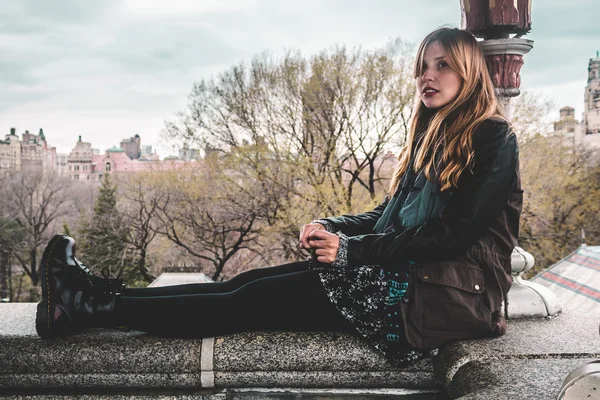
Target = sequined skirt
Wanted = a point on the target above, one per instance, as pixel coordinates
(368, 297)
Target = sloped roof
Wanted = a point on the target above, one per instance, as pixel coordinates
(179, 278)
(575, 279)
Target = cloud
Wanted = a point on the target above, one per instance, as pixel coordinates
(59, 12)
(566, 35)
(113, 68)
(14, 73)
(186, 8)
(565, 20)
(546, 64)
(95, 63)
(171, 45)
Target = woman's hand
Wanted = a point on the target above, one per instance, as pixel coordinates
(305, 231)
(326, 245)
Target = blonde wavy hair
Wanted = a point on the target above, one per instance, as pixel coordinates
(450, 128)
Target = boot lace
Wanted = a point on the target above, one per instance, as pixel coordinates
(104, 284)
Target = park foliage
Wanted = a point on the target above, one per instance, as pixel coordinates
(285, 141)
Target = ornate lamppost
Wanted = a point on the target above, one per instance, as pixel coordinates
(501, 24)
(495, 21)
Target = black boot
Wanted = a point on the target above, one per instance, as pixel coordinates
(72, 297)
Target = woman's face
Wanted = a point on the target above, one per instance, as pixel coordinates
(438, 85)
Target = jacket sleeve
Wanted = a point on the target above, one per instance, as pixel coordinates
(359, 224)
(479, 196)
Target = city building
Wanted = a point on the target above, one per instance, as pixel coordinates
(87, 164)
(587, 132)
(35, 153)
(10, 152)
(591, 114)
(79, 161)
(188, 154)
(62, 166)
(29, 152)
(148, 155)
(567, 123)
(146, 150)
(131, 147)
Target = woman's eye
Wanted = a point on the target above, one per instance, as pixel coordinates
(442, 64)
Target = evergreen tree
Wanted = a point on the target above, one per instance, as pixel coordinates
(104, 245)
(67, 230)
(11, 235)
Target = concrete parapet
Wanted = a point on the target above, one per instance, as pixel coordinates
(106, 361)
(529, 362)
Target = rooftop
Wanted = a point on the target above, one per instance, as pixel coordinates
(575, 279)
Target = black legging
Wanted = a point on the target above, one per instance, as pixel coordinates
(286, 297)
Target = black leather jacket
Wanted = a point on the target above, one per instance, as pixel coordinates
(461, 252)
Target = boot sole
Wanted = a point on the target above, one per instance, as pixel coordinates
(45, 308)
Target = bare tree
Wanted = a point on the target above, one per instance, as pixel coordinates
(328, 118)
(211, 212)
(140, 201)
(313, 133)
(11, 239)
(35, 200)
(531, 115)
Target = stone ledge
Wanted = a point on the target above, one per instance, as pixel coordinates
(126, 362)
(513, 379)
(529, 362)
(258, 394)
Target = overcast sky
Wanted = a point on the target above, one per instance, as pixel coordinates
(109, 69)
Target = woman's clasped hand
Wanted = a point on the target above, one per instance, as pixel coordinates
(325, 244)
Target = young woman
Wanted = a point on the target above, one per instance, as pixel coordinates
(428, 265)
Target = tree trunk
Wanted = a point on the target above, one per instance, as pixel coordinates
(4, 294)
(34, 272)
(142, 266)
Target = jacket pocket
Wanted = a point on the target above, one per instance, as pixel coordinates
(450, 300)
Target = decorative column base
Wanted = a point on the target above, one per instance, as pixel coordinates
(504, 58)
(528, 299)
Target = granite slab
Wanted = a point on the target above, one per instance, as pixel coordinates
(306, 351)
(513, 379)
(534, 352)
(128, 361)
(326, 379)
